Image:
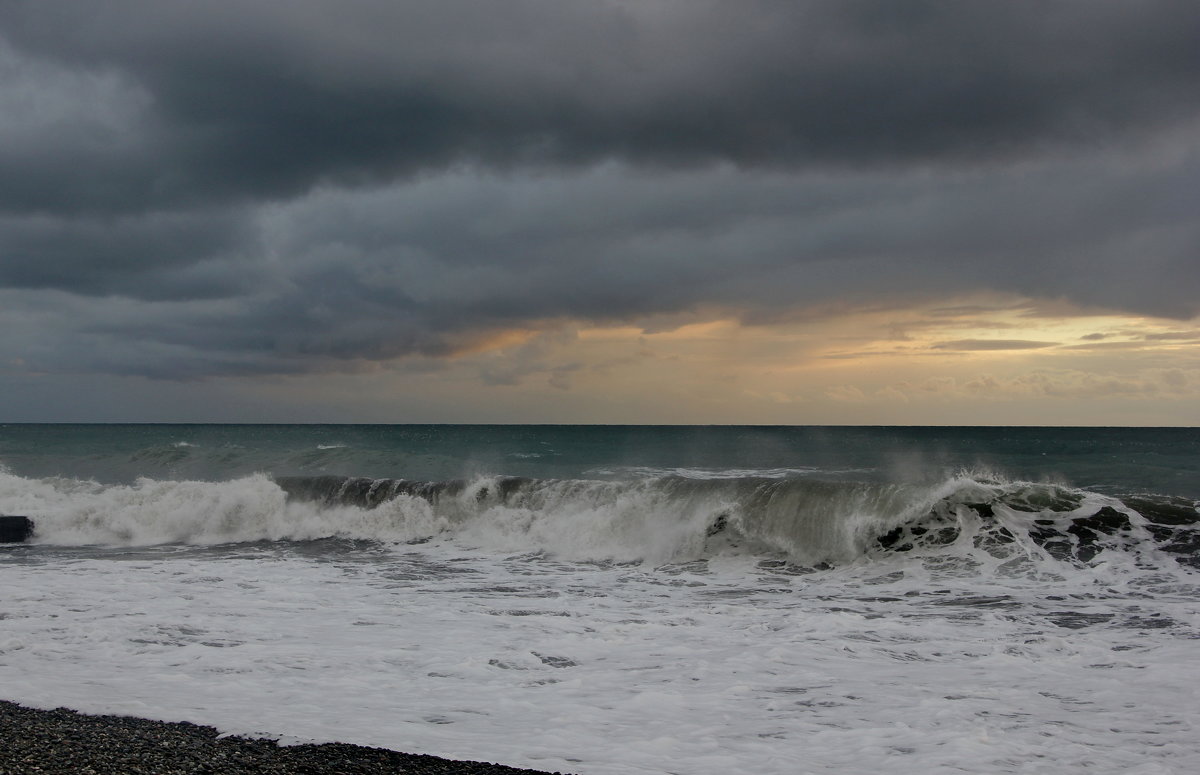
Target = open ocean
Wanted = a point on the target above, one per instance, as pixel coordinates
(694, 600)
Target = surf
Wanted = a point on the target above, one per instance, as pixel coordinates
(803, 521)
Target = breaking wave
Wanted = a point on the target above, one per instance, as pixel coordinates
(655, 519)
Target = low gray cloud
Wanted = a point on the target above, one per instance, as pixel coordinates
(156, 255)
(248, 188)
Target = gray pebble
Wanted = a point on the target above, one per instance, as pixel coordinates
(33, 742)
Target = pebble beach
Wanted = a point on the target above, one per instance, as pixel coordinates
(64, 741)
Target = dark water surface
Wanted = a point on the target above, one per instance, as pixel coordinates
(1164, 461)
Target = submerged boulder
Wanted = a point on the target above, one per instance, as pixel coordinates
(15, 529)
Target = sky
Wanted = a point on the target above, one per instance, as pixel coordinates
(600, 211)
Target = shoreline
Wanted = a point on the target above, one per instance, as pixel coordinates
(67, 741)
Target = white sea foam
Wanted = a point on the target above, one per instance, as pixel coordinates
(501, 637)
(69, 512)
(908, 665)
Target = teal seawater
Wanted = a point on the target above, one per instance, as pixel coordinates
(1163, 461)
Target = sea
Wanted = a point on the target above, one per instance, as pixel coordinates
(617, 600)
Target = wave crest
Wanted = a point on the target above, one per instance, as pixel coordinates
(806, 521)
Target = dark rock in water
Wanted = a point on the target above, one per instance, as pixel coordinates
(15, 529)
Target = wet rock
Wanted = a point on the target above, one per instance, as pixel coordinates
(15, 529)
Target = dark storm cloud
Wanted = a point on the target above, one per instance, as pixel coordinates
(339, 278)
(155, 256)
(255, 98)
(252, 187)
